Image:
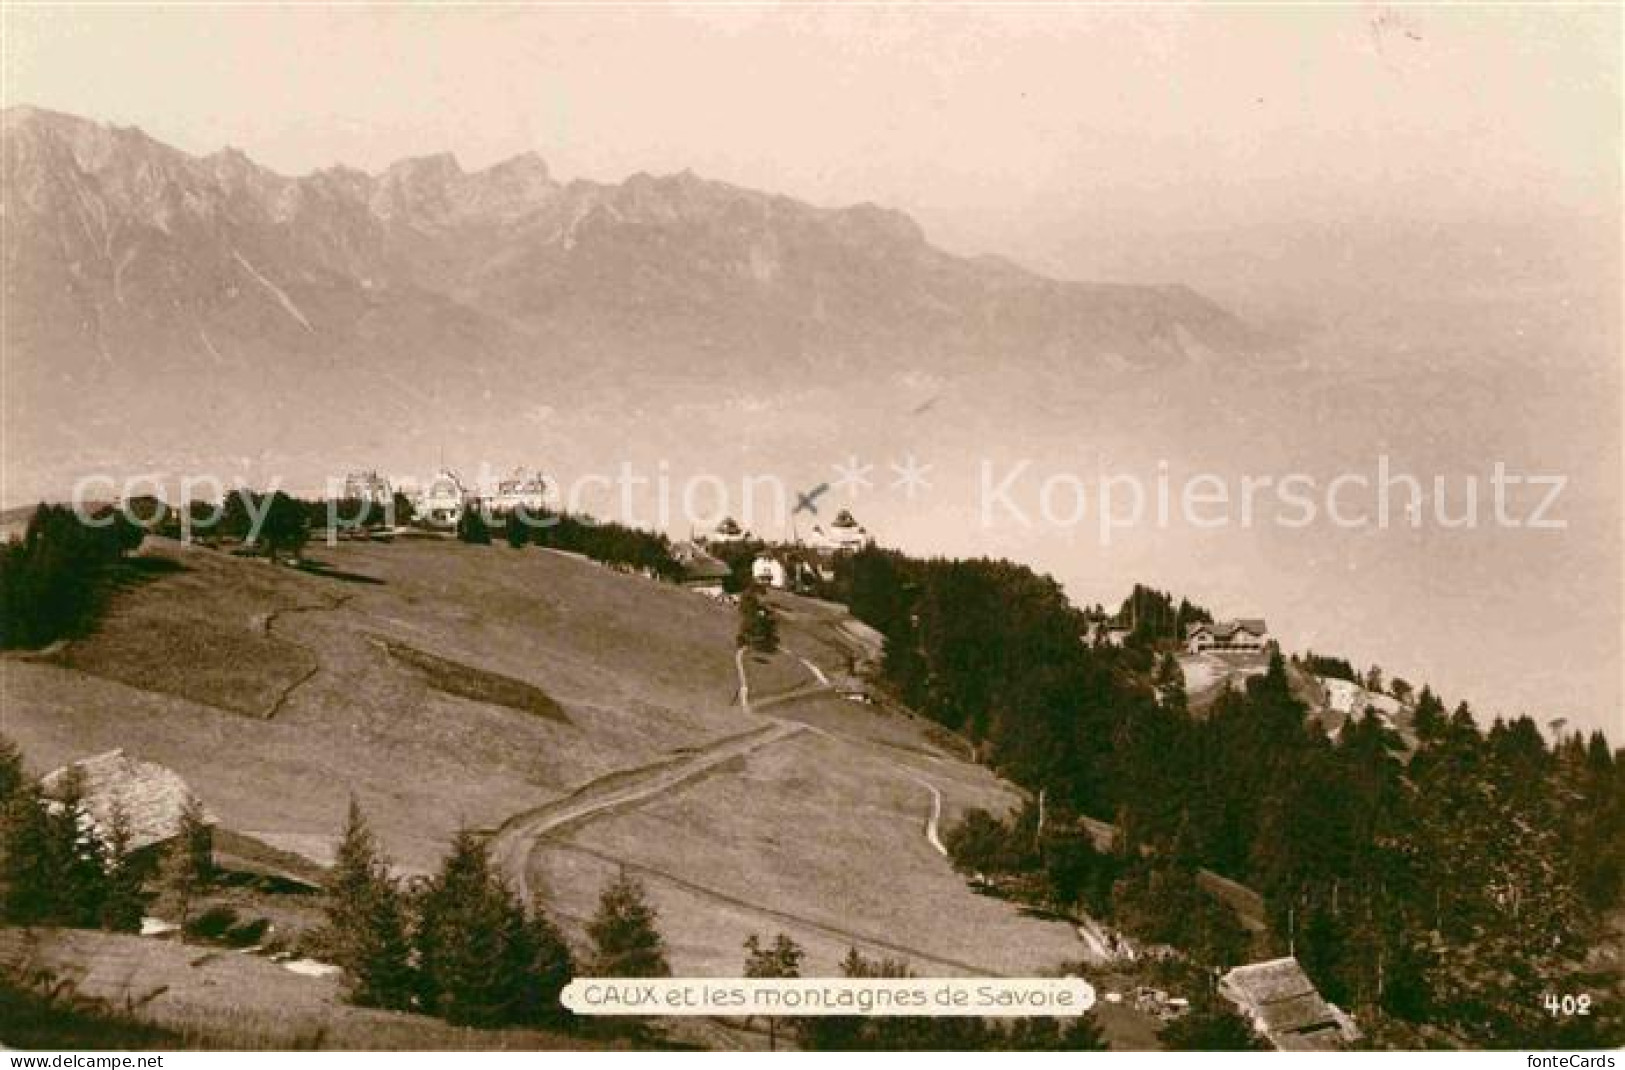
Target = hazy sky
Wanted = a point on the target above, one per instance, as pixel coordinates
(1029, 131)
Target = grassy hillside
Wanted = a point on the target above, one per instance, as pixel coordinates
(446, 684)
(277, 693)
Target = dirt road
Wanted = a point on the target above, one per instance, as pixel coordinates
(513, 843)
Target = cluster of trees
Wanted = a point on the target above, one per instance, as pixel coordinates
(738, 556)
(841, 1033)
(1155, 898)
(1447, 886)
(275, 521)
(55, 870)
(54, 579)
(758, 624)
(606, 542)
(462, 945)
(1155, 620)
(1331, 667)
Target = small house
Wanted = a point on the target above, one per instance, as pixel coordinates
(1285, 1008)
(699, 570)
(769, 571)
(844, 535)
(1247, 635)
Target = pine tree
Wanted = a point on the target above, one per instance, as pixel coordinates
(782, 959)
(125, 899)
(12, 778)
(366, 921)
(471, 527)
(482, 960)
(515, 530)
(551, 968)
(28, 877)
(187, 869)
(1211, 1028)
(758, 625)
(77, 855)
(52, 864)
(625, 940)
(1171, 683)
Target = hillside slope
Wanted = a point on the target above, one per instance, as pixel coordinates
(447, 685)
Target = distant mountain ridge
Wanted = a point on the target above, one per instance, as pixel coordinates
(211, 289)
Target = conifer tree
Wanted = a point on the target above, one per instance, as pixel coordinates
(1171, 682)
(515, 529)
(366, 921)
(758, 626)
(625, 940)
(125, 898)
(27, 876)
(1211, 1027)
(12, 778)
(482, 960)
(52, 865)
(187, 869)
(471, 527)
(781, 959)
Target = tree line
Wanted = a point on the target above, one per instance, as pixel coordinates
(605, 542)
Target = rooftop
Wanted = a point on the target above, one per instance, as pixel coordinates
(152, 796)
(1286, 1004)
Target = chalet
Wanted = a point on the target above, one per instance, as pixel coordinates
(150, 797)
(845, 534)
(1285, 1008)
(728, 531)
(770, 571)
(442, 502)
(1248, 635)
(700, 571)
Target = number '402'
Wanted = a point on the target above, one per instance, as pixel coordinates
(1568, 1006)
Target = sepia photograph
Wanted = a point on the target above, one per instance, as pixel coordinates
(788, 527)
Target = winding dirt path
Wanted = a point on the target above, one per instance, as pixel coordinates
(516, 840)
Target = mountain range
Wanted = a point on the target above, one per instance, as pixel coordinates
(147, 289)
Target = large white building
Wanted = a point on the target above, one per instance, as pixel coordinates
(368, 487)
(442, 501)
(521, 490)
(844, 533)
